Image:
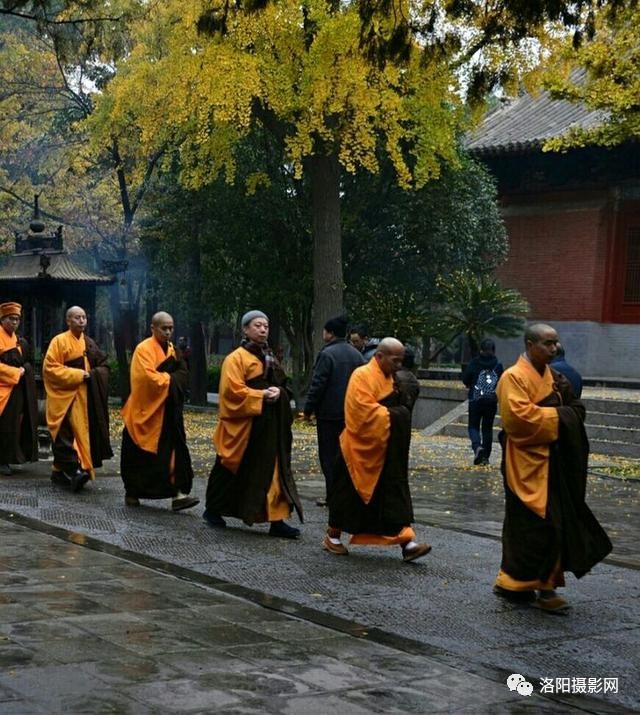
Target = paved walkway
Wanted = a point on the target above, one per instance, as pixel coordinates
(112, 609)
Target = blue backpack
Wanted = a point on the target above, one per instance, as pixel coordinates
(485, 387)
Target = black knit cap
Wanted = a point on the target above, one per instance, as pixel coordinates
(337, 326)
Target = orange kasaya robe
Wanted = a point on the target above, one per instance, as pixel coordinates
(66, 391)
(364, 440)
(239, 404)
(143, 412)
(530, 429)
(9, 375)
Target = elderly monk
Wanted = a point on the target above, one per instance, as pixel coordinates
(252, 478)
(370, 496)
(155, 461)
(76, 380)
(18, 401)
(548, 529)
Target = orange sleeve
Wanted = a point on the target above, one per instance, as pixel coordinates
(57, 376)
(239, 404)
(237, 400)
(143, 412)
(525, 422)
(367, 428)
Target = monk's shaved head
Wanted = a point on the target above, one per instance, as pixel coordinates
(533, 332)
(160, 317)
(389, 345)
(389, 355)
(74, 309)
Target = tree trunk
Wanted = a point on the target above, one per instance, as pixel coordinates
(197, 365)
(324, 174)
(120, 341)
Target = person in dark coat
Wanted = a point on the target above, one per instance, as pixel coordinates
(562, 366)
(359, 338)
(481, 377)
(325, 399)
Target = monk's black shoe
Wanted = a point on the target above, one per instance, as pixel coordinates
(79, 479)
(283, 530)
(185, 502)
(5, 470)
(416, 552)
(214, 520)
(61, 479)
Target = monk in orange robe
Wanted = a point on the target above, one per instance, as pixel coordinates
(548, 529)
(76, 380)
(155, 461)
(370, 497)
(252, 478)
(18, 401)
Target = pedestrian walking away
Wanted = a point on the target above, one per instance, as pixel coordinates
(481, 377)
(76, 380)
(18, 400)
(252, 478)
(325, 398)
(548, 528)
(154, 461)
(370, 496)
(560, 364)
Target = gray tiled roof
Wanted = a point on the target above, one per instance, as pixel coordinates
(526, 122)
(61, 268)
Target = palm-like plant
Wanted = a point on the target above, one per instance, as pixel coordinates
(476, 306)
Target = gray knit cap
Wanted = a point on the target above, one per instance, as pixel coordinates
(252, 315)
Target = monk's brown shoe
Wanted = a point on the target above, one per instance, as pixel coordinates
(514, 596)
(131, 501)
(338, 549)
(416, 552)
(552, 604)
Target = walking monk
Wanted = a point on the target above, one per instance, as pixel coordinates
(155, 462)
(76, 380)
(251, 478)
(548, 528)
(370, 496)
(18, 401)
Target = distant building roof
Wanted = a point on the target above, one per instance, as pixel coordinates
(52, 266)
(527, 122)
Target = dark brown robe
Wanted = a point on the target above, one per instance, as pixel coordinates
(155, 476)
(19, 419)
(569, 533)
(243, 495)
(390, 509)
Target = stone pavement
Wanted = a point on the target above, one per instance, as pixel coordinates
(112, 609)
(86, 630)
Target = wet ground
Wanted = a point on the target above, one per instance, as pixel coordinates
(111, 609)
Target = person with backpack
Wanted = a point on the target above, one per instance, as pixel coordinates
(481, 377)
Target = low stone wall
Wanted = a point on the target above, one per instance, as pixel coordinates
(434, 402)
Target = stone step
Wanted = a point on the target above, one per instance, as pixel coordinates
(604, 440)
(613, 419)
(619, 407)
(595, 420)
(617, 449)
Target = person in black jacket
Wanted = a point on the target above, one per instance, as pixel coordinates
(325, 399)
(481, 377)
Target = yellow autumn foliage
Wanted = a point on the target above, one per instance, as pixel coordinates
(200, 93)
